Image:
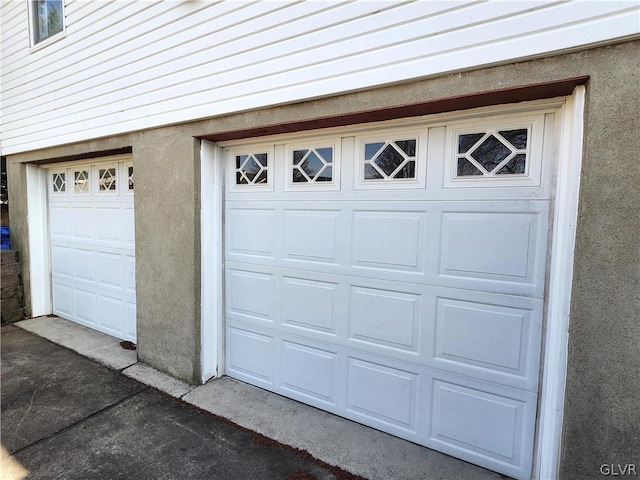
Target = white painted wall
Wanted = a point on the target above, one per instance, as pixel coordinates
(127, 65)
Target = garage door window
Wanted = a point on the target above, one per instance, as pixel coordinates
(59, 182)
(130, 179)
(252, 169)
(107, 179)
(390, 160)
(312, 165)
(499, 152)
(81, 182)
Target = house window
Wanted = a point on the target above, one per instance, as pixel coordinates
(47, 19)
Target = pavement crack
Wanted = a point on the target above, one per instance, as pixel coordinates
(73, 424)
(33, 396)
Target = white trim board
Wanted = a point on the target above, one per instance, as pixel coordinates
(551, 406)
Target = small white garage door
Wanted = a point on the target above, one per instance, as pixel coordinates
(91, 226)
(395, 276)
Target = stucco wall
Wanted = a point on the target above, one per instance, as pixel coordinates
(602, 424)
(602, 414)
(168, 251)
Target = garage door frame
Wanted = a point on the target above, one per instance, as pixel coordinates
(560, 268)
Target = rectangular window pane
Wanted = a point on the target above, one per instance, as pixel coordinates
(48, 18)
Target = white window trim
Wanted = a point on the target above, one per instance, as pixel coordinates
(125, 175)
(389, 135)
(252, 150)
(315, 143)
(73, 172)
(96, 182)
(532, 177)
(35, 46)
(50, 179)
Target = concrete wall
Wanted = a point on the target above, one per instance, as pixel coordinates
(602, 414)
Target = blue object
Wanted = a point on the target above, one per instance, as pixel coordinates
(6, 240)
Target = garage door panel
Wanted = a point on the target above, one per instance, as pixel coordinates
(310, 372)
(60, 222)
(483, 423)
(501, 340)
(503, 250)
(251, 232)
(130, 318)
(84, 222)
(251, 355)
(311, 235)
(310, 305)
(405, 321)
(85, 306)
(389, 240)
(110, 225)
(381, 393)
(63, 300)
(251, 294)
(110, 269)
(130, 273)
(128, 226)
(61, 261)
(111, 313)
(83, 264)
(385, 318)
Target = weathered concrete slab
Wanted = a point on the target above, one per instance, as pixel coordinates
(46, 388)
(163, 382)
(89, 343)
(152, 436)
(358, 449)
(67, 417)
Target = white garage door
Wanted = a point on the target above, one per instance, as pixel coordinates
(92, 246)
(395, 276)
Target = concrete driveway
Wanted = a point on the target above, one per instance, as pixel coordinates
(76, 404)
(64, 416)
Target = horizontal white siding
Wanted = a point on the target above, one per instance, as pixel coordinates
(128, 65)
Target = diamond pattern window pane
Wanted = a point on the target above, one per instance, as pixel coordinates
(515, 165)
(107, 179)
(465, 142)
(251, 169)
(407, 146)
(466, 168)
(517, 138)
(59, 182)
(312, 165)
(81, 181)
(372, 149)
(371, 173)
(492, 153)
(130, 175)
(390, 160)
